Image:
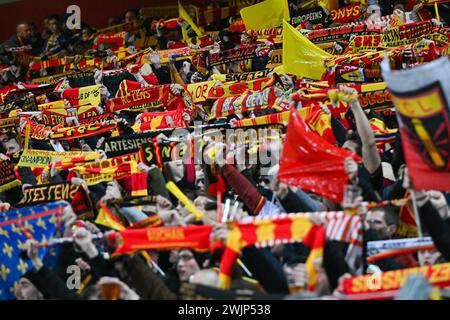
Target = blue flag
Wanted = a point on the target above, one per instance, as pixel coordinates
(41, 223)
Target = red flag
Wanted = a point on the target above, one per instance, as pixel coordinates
(311, 163)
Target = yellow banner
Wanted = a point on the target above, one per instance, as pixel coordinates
(42, 158)
(89, 95)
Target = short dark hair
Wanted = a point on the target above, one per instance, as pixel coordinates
(21, 22)
(391, 214)
(354, 137)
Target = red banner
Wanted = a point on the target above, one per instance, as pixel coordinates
(167, 238)
(387, 285)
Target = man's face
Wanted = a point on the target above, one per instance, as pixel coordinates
(24, 31)
(186, 265)
(27, 291)
(376, 221)
(53, 26)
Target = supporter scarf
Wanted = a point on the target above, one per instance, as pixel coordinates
(110, 41)
(276, 58)
(159, 153)
(75, 194)
(373, 42)
(166, 238)
(377, 250)
(37, 130)
(42, 158)
(115, 146)
(51, 105)
(81, 131)
(138, 180)
(202, 91)
(9, 122)
(408, 31)
(160, 120)
(83, 96)
(178, 53)
(347, 14)
(315, 16)
(58, 62)
(150, 98)
(269, 231)
(245, 76)
(246, 102)
(95, 174)
(5, 90)
(25, 103)
(8, 179)
(341, 33)
(35, 90)
(388, 284)
(231, 55)
(266, 33)
(127, 86)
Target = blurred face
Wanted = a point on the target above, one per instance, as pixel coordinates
(376, 221)
(24, 31)
(350, 146)
(27, 291)
(130, 17)
(176, 169)
(85, 35)
(438, 200)
(186, 265)
(53, 26)
(287, 81)
(10, 144)
(428, 257)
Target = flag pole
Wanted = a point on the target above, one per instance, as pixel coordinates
(437, 12)
(416, 213)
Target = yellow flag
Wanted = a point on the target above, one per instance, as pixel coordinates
(266, 14)
(184, 15)
(328, 4)
(106, 218)
(300, 56)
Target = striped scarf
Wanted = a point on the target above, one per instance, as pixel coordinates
(268, 231)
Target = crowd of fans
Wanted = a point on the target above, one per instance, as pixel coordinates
(249, 189)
